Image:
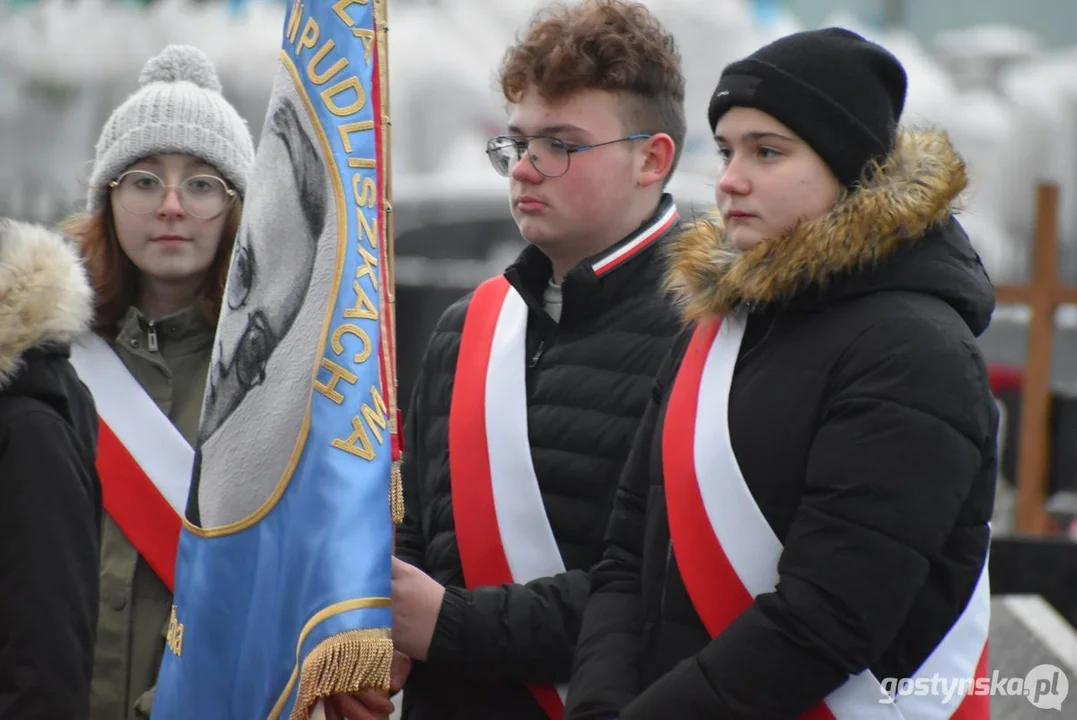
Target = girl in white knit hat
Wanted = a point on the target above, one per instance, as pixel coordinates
(163, 208)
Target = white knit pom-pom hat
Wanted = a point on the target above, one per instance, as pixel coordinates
(179, 109)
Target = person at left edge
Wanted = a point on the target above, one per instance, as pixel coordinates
(50, 496)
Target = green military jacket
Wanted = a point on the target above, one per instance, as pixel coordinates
(170, 359)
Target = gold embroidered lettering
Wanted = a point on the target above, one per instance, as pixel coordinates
(364, 308)
(294, 21)
(174, 636)
(312, 67)
(369, 228)
(329, 98)
(358, 443)
(341, 5)
(358, 332)
(348, 128)
(363, 163)
(367, 35)
(343, 95)
(329, 389)
(367, 194)
(375, 417)
(367, 268)
(309, 38)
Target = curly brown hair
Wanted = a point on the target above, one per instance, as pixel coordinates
(115, 278)
(609, 45)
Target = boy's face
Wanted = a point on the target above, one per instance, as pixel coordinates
(581, 204)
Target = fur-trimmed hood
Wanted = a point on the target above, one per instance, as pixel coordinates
(898, 223)
(45, 297)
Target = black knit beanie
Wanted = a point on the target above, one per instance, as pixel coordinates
(840, 93)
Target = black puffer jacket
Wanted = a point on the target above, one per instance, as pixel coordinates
(864, 427)
(50, 497)
(588, 382)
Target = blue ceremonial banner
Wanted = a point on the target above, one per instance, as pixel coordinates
(282, 575)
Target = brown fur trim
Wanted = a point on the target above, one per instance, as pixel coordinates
(898, 199)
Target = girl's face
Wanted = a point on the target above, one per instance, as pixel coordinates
(770, 180)
(163, 211)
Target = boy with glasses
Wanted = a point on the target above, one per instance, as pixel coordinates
(532, 386)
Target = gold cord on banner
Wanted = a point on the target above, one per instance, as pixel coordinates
(396, 494)
(345, 663)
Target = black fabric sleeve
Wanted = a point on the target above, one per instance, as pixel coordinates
(49, 545)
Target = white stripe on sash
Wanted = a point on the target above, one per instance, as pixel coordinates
(951, 659)
(153, 441)
(753, 550)
(729, 504)
(526, 536)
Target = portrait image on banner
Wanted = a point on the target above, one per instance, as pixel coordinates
(275, 301)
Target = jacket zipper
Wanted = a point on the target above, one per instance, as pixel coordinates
(534, 361)
(543, 346)
(151, 337)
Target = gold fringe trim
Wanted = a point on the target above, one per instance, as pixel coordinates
(345, 663)
(396, 494)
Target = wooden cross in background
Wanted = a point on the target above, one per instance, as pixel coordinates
(1043, 294)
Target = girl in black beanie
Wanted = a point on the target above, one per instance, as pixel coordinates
(802, 530)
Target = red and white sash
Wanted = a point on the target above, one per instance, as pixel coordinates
(502, 530)
(143, 461)
(728, 554)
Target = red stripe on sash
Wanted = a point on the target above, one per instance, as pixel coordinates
(478, 536)
(134, 503)
(976, 706)
(716, 591)
(475, 517)
(712, 584)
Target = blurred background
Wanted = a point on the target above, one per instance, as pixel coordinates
(1000, 76)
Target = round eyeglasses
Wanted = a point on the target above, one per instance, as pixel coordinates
(140, 192)
(550, 156)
